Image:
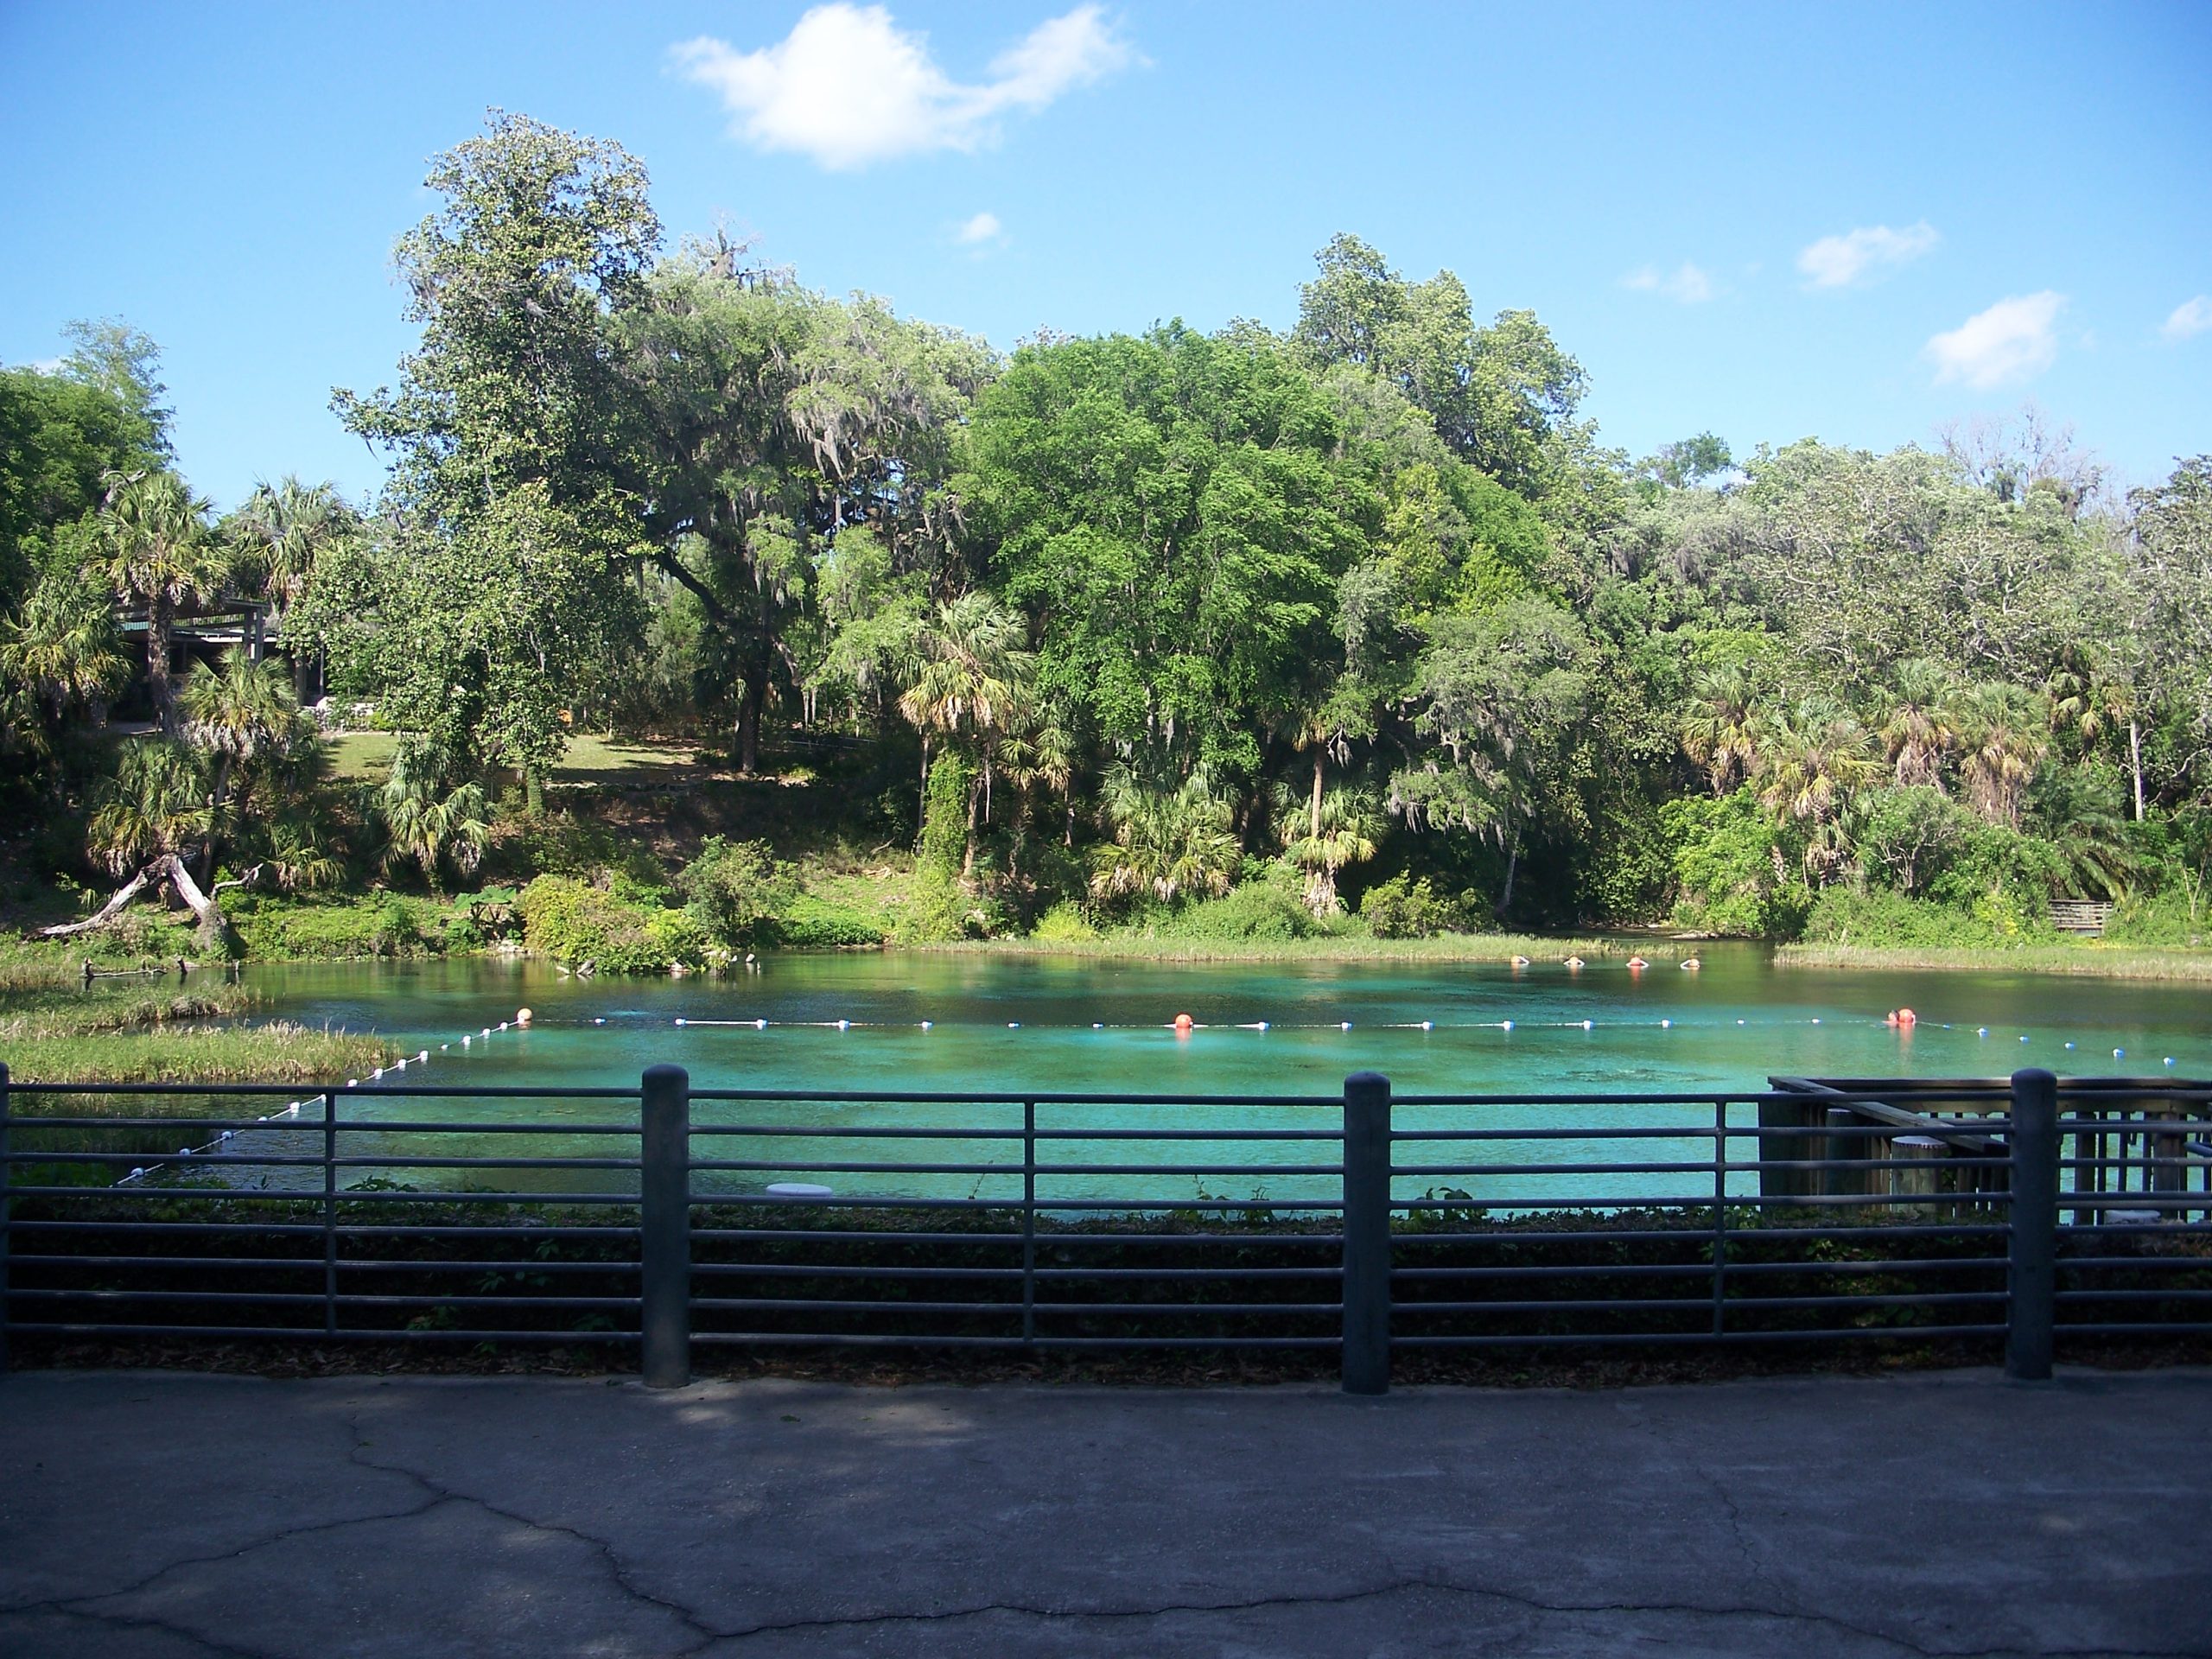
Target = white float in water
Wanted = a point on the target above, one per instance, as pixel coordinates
(2120, 1053)
(2069, 1045)
(1344, 1025)
(1014, 1025)
(1262, 1026)
(1981, 1031)
(424, 1055)
(799, 1189)
(761, 1025)
(926, 1024)
(1505, 1025)
(1816, 1019)
(844, 1024)
(1589, 1025)
(1097, 1025)
(486, 1031)
(1665, 1025)
(1428, 1024)
(679, 1020)
(2169, 1059)
(598, 1020)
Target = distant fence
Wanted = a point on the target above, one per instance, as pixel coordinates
(670, 1219)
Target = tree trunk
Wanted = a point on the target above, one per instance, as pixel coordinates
(748, 719)
(215, 930)
(161, 621)
(215, 819)
(1512, 866)
(2135, 763)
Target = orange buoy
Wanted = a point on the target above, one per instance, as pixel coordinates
(1638, 964)
(1183, 1022)
(1692, 963)
(522, 1016)
(1907, 1017)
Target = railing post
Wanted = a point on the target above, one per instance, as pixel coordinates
(1028, 1221)
(7, 1216)
(1366, 1234)
(665, 1209)
(330, 1213)
(2033, 1307)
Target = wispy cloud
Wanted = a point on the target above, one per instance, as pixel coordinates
(983, 227)
(1688, 283)
(848, 86)
(2189, 319)
(2014, 339)
(1868, 252)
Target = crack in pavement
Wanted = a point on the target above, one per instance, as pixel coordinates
(146, 1621)
(1423, 1582)
(616, 1570)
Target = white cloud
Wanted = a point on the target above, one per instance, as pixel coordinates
(2014, 339)
(848, 86)
(2189, 319)
(1688, 284)
(984, 228)
(1838, 261)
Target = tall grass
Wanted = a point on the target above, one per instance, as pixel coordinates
(2086, 960)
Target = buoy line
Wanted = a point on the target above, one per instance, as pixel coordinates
(291, 1112)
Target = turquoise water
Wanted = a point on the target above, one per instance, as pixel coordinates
(998, 1024)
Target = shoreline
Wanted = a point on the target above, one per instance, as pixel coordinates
(2054, 960)
(1450, 947)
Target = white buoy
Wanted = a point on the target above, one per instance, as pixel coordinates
(1588, 1025)
(600, 1019)
(1428, 1024)
(2069, 1045)
(1344, 1025)
(486, 1031)
(445, 1048)
(134, 1174)
(184, 1152)
(1263, 1025)
(374, 1075)
(2024, 1040)
(1505, 1025)
(424, 1055)
(2120, 1053)
(679, 1020)
(355, 1082)
(402, 1066)
(503, 1025)
(1739, 1022)
(2169, 1059)
(1981, 1031)
(465, 1041)
(1097, 1025)
(292, 1110)
(759, 1024)
(844, 1024)
(1816, 1019)
(926, 1024)
(1665, 1025)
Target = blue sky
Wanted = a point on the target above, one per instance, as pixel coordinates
(1850, 221)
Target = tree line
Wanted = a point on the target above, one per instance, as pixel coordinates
(1360, 608)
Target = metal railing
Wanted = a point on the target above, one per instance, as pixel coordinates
(672, 1219)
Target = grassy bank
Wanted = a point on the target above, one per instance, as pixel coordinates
(2085, 960)
(1346, 947)
(156, 1030)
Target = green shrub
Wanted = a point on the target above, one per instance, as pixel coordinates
(1731, 872)
(734, 890)
(1063, 923)
(810, 922)
(2158, 918)
(1258, 910)
(1397, 910)
(372, 924)
(1840, 915)
(576, 923)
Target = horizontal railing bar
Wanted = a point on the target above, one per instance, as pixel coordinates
(1174, 1171)
(2137, 1294)
(1723, 1339)
(1653, 1234)
(316, 1333)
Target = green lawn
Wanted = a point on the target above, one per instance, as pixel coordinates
(367, 756)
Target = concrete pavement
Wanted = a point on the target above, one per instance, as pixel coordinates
(170, 1517)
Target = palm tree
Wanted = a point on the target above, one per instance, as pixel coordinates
(1918, 731)
(157, 549)
(1169, 843)
(287, 527)
(240, 712)
(2004, 742)
(154, 805)
(974, 683)
(61, 651)
(1718, 734)
(1339, 831)
(427, 826)
(1812, 758)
